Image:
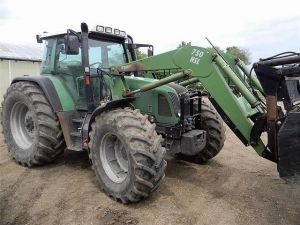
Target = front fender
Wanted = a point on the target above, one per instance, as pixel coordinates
(90, 118)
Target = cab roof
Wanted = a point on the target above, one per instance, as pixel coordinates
(97, 31)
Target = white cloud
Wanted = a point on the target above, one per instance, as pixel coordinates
(255, 25)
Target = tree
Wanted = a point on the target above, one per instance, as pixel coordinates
(213, 50)
(241, 53)
(140, 54)
(183, 43)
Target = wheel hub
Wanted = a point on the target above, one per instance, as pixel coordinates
(22, 125)
(29, 124)
(114, 158)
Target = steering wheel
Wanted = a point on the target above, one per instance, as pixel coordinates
(96, 63)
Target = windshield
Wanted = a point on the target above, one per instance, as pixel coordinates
(105, 54)
(102, 54)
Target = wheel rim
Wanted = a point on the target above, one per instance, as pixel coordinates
(114, 158)
(22, 125)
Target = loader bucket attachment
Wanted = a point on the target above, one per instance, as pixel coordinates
(289, 146)
(279, 77)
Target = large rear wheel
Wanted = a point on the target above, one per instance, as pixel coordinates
(30, 127)
(126, 154)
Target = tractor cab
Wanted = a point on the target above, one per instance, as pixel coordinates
(107, 48)
(63, 59)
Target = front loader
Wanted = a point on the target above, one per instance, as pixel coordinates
(236, 92)
(93, 95)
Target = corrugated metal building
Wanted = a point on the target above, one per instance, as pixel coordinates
(18, 60)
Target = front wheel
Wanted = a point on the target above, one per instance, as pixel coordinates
(126, 154)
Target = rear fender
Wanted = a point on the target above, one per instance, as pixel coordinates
(48, 88)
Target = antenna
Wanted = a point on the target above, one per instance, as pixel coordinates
(212, 45)
(216, 50)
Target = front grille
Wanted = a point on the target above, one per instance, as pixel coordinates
(178, 88)
(190, 103)
(186, 104)
(175, 102)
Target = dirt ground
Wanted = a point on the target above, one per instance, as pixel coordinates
(237, 187)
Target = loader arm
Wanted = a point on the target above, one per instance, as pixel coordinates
(239, 108)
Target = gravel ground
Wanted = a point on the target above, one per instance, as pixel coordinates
(236, 187)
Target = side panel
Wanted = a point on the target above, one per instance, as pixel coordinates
(66, 100)
(147, 102)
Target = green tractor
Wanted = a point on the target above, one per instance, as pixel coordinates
(94, 95)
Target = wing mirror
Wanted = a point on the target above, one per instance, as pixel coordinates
(132, 46)
(72, 43)
(150, 51)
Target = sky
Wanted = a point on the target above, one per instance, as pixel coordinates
(264, 28)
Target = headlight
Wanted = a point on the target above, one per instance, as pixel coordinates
(99, 28)
(117, 32)
(122, 33)
(108, 29)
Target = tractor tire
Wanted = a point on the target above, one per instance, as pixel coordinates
(30, 128)
(126, 155)
(212, 123)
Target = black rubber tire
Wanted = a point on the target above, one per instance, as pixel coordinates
(146, 164)
(212, 122)
(48, 141)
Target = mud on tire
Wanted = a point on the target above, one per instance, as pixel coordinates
(30, 127)
(126, 154)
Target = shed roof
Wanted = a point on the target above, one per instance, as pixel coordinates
(21, 52)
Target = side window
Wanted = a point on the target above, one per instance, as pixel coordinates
(64, 58)
(116, 55)
(46, 63)
(66, 62)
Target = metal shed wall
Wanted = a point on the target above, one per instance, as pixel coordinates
(9, 69)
